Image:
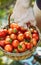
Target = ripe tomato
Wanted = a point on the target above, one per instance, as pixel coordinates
(8, 41)
(20, 37)
(14, 25)
(10, 31)
(29, 46)
(22, 29)
(34, 42)
(15, 43)
(2, 43)
(21, 47)
(26, 43)
(15, 51)
(36, 36)
(35, 32)
(7, 36)
(3, 33)
(27, 35)
(13, 36)
(19, 32)
(8, 48)
(15, 30)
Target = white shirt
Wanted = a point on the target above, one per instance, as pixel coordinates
(22, 13)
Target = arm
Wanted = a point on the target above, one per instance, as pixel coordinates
(21, 11)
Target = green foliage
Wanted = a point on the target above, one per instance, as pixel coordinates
(4, 3)
(0, 23)
(1, 63)
(2, 13)
(16, 63)
(1, 53)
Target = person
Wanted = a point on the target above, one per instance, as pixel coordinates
(23, 12)
(37, 12)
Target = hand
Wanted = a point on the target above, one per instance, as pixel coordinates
(21, 14)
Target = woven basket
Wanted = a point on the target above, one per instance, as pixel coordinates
(21, 56)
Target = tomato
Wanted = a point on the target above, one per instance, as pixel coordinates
(15, 51)
(15, 43)
(21, 47)
(14, 25)
(26, 43)
(13, 36)
(35, 32)
(7, 36)
(20, 37)
(8, 48)
(2, 43)
(34, 42)
(36, 36)
(27, 35)
(15, 30)
(3, 33)
(19, 32)
(29, 46)
(10, 31)
(22, 29)
(8, 40)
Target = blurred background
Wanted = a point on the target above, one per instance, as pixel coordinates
(6, 7)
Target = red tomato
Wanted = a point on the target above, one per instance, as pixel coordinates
(21, 47)
(10, 31)
(13, 36)
(2, 43)
(35, 32)
(15, 43)
(36, 36)
(15, 30)
(14, 25)
(34, 42)
(8, 41)
(22, 29)
(20, 37)
(27, 35)
(26, 43)
(3, 33)
(19, 32)
(29, 46)
(15, 51)
(7, 36)
(8, 48)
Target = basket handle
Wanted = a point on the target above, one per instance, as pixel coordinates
(9, 19)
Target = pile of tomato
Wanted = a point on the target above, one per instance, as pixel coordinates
(17, 39)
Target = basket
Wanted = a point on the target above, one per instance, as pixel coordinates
(20, 56)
